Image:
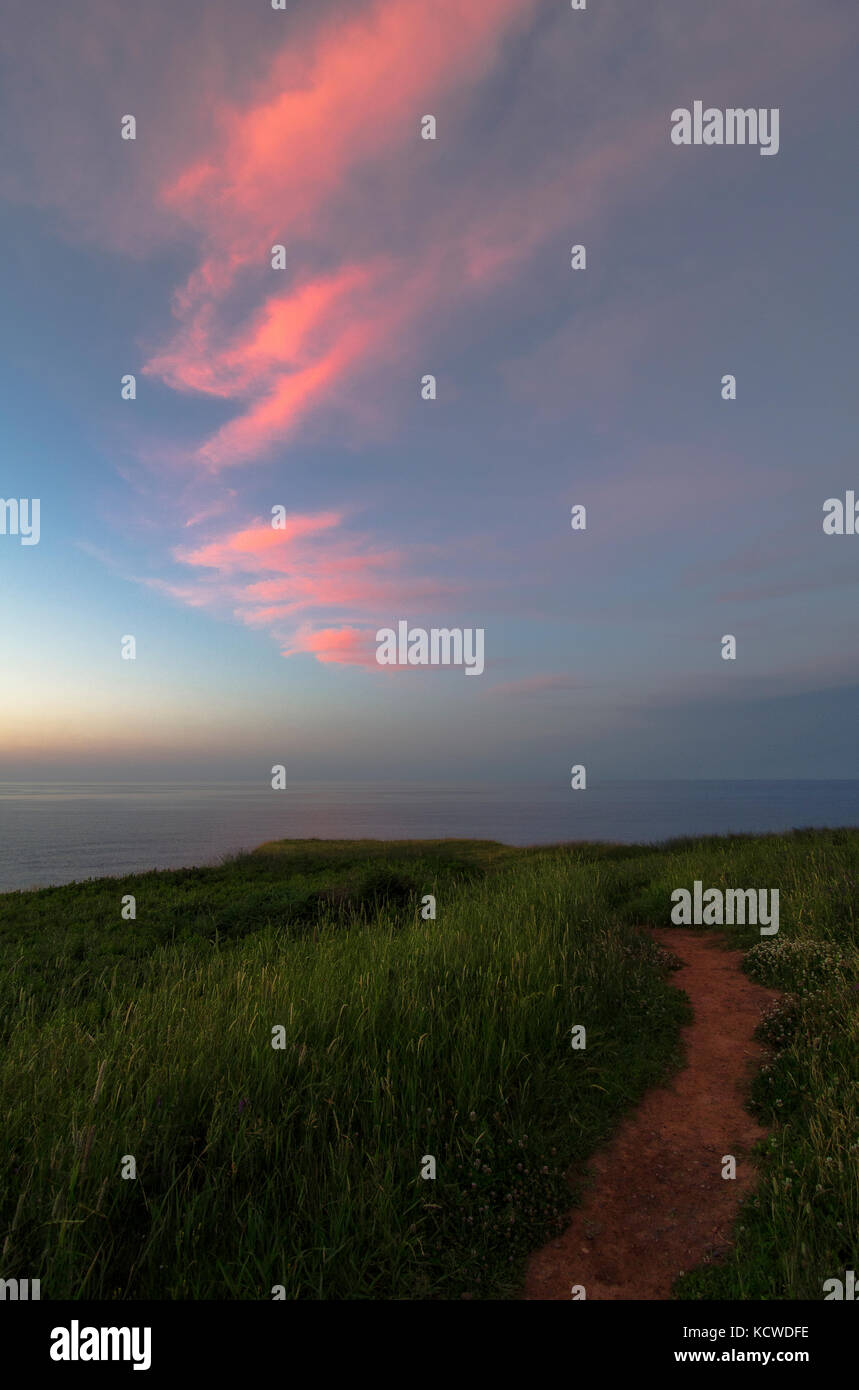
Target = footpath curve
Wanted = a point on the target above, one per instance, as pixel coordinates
(657, 1204)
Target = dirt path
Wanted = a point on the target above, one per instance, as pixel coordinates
(658, 1204)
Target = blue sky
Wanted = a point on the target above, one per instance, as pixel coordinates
(301, 388)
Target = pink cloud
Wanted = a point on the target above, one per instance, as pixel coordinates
(345, 646)
(280, 334)
(263, 546)
(291, 581)
(287, 160)
(354, 89)
(326, 105)
(323, 154)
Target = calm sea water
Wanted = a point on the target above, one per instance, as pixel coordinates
(59, 833)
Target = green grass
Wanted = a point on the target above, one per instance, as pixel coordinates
(403, 1037)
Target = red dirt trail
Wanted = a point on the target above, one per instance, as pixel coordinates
(658, 1204)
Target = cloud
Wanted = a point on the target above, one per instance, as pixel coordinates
(342, 646)
(276, 167)
(328, 139)
(394, 245)
(262, 546)
(292, 580)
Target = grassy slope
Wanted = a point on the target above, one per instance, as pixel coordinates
(300, 1166)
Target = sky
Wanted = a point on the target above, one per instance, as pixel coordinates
(300, 388)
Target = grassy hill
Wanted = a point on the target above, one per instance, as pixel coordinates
(300, 1165)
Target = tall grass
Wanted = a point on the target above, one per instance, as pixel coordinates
(301, 1167)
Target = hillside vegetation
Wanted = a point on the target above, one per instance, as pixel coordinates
(301, 1166)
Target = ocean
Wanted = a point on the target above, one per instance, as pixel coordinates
(63, 832)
